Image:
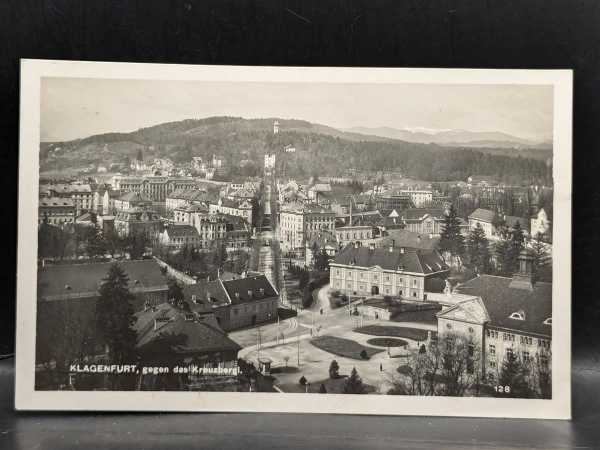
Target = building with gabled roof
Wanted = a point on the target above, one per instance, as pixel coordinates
(204, 341)
(177, 236)
(239, 302)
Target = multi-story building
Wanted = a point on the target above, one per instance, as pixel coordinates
(393, 200)
(419, 197)
(237, 303)
(241, 208)
(429, 221)
(156, 189)
(394, 271)
(186, 197)
(56, 211)
(354, 233)
(504, 316)
(178, 236)
(299, 222)
(81, 194)
(108, 201)
(210, 227)
(131, 200)
(137, 221)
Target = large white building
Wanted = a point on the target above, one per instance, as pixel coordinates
(394, 271)
(297, 223)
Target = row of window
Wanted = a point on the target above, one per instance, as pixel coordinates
(525, 340)
(525, 356)
(375, 277)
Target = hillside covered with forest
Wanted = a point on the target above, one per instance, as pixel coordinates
(320, 150)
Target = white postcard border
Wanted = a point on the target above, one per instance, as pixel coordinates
(27, 398)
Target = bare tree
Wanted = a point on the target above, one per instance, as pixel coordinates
(450, 367)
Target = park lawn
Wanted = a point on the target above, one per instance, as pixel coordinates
(343, 347)
(387, 342)
(401, 332)
(333, 386)
(427, 316)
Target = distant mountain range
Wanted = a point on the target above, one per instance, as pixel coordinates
(452, 138)
(320, 149)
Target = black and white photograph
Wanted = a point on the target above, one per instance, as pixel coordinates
(359, 240)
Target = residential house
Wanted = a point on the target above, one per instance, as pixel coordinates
(177, 236)
(239, 302)
(241, 208)
(138, 221)
(58, 211)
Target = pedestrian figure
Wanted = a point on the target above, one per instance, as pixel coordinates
(380, 367)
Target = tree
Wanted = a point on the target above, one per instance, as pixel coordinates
(115, 318)
(175, 292)
(303, 280)
(478, 250)
(502, 255)
(302, 381)
(514, 376)
(286, 358)
(364, 354)
(96, 244)
(542, 262)
(451, 240)
(136, 245)
(322, 261)
(307, 298)
(334, 370)
(517, 243)
(353, 384)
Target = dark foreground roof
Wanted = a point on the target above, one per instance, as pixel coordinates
(199, 335)
(407, 259)
(72, 280)
(501, 300)
(220, 292)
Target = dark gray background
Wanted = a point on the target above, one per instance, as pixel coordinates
(402, 33)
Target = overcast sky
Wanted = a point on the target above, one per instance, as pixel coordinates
(75, 108)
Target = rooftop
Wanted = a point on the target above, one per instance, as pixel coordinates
(501, 300)
(484, 215)
(393, 258)
(67, 280)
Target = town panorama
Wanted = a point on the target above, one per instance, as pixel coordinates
(278, 255)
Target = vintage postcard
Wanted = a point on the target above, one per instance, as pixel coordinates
(330, 240)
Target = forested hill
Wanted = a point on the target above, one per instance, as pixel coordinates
(319, 149)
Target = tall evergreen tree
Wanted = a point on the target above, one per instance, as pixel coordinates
(478, 250)
(514, 376)
(451, 240)
(353, 384)
(114, 316)
(517, 243)
(542, 262)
